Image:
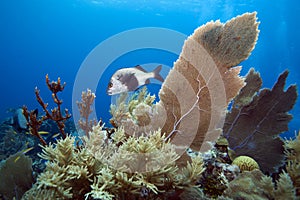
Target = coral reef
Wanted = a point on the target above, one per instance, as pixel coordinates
(203, 80)
(255, 121)
(199, 86)
(16, 176)
(139, 167)
(218, 169)
(87, 100)
(255, 185)
(140, 158)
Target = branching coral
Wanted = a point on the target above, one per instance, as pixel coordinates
(255, 121)
(56, 114)
(34, 123)
(87, 100)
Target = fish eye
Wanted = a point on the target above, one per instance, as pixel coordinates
(110, 85)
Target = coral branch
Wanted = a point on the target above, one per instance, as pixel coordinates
(87, 100)
(33, 123)
(56, 114)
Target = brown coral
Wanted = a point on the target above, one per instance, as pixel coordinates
(55, 114)
(197, 90)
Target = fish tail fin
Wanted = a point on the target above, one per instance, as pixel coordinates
(156, 73)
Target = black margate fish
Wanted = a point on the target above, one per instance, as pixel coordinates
(130, 79)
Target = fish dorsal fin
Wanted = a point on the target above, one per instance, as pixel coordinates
(139, 67)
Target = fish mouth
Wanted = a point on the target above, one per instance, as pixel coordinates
(109, 93)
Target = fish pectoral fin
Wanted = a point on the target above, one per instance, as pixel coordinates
(156, 72)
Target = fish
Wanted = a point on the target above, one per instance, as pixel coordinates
(17, 158)
(24, 152)
(55, 135)
(130, 79)
(43, 132)
(27, 150)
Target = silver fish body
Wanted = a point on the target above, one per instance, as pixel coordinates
(130, 79)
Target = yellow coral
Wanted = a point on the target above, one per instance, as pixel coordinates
(245, 163)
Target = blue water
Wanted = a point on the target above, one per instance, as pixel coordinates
(56, 36)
